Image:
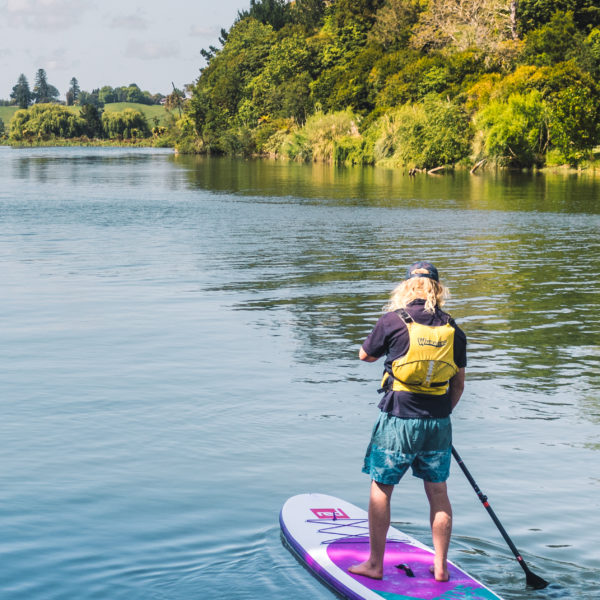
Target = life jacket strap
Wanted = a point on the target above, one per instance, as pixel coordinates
(404, 315)
(387, 386)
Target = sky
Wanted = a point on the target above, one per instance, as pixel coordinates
(153, 43)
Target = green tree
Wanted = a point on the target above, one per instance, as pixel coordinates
(43, 92)
(515, 132)
(281, 89)
(44, 122)
(2, 128)
(125, 124)
(533, 14)
(92, 116)
(574, 122)
(571, 105)
(120, 94)
(592, 43)
(428, 134)
(409, 76)
(134, 93)
(308, 13)
(275, 13)
(73, 92)
(394, 22)
(348, 85)
(106, 95)
(90, 98)
(21, 94)
(223, 85)
(556, 41)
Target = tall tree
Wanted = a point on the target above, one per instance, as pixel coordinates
(73, 93)
(532, 14)
(107, 94)
(42, 91)
(134, 93)
(309, 13)
(394, 22)
(21, 94)
(90, 98)
(269, 12)
(93, 120)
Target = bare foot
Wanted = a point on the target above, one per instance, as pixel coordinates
(367, 569)
(442, 575)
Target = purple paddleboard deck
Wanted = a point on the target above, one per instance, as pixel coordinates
(329, 534)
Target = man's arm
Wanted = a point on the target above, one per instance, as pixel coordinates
(457, 385)
(364, 356)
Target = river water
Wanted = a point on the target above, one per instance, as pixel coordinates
(179, 357)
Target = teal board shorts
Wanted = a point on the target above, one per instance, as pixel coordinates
(396, 444)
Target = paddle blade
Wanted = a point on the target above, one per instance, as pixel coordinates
(535, 581)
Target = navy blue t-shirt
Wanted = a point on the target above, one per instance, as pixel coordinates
(390, 337)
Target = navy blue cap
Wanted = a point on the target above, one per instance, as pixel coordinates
(431, 273)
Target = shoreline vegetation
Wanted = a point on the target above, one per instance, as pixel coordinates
(423, 85)
(588, 167)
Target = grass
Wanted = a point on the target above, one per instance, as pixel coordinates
(6, 113)
(150, 111)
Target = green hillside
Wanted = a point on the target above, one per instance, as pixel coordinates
(150, 111)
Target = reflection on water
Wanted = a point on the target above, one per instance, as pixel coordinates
(501, 190)
(180, 356)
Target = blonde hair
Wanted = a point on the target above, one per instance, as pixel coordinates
(433, 292)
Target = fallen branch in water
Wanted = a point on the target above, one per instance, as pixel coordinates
(475, 167)
(434, 170)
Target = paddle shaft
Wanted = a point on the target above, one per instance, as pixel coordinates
(532, 579)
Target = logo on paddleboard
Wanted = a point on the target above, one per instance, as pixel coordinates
(329, 513)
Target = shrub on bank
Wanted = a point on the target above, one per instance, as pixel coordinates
(125, 124)
(44, 122)
(426, 135)
(324, 137)
(515, 132)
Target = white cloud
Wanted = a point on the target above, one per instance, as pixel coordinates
(202, 31)
(148, 50)
(58, 59)
(131, 22)
(43, 14)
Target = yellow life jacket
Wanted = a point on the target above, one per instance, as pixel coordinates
(429, 363)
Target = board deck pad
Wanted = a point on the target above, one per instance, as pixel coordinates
(329, 535)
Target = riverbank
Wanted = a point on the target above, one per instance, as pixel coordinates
(153, 142)
(588, 167)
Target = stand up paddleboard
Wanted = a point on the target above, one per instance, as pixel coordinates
(329, 535)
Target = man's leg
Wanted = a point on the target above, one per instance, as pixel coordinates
(440, 512)
(379, 523)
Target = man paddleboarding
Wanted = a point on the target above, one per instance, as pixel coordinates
(423, 380)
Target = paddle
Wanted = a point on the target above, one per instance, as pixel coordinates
(532, 579)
